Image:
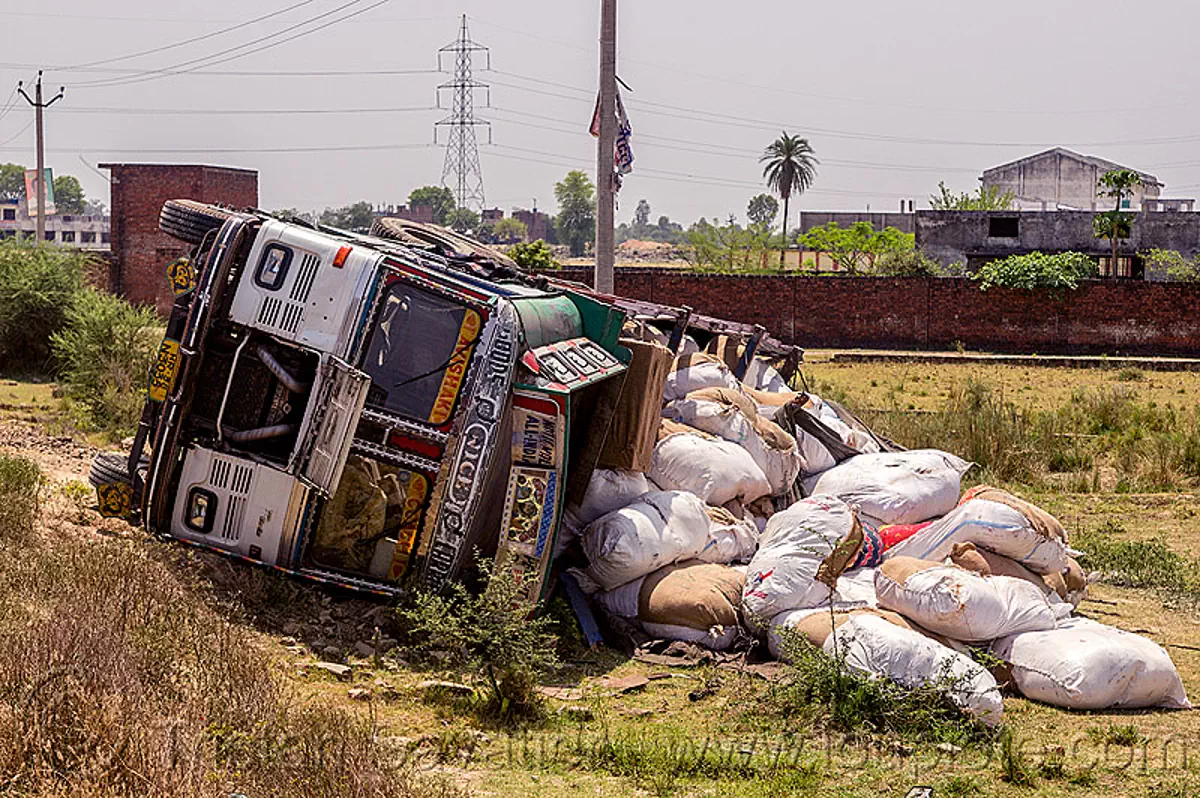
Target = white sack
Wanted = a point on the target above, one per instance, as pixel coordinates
(965, 606)
(762, 376)
(717, 638)
(854, 438)
(780, 466)
(1087, 665)
(622, 600)
(782, 573)
(700, 373)
(658, 529)
(609, 489)
(870, 644)
(989, 525)
(714, 470)
(895, 487)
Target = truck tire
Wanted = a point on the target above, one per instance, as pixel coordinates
(189, 220)
(109, 467)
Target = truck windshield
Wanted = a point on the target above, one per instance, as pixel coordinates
(418, 353)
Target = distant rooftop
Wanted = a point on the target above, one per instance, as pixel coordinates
(1100, 163)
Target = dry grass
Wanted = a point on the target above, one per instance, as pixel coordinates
(118, 677)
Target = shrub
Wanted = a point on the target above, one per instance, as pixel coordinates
(1172, 264)
(1036, 271)
(37, 287)
(20, 480)
(906, 263)
(105, 350)
(533, 255)
(490, 634)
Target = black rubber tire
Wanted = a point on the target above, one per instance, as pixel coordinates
(189, 220)
(109, 467)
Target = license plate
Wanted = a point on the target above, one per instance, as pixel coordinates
(166, 368)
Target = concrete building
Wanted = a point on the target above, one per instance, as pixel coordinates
(69, 230)
(491, 215)
(905, 222)
(975, 237)
(1059, 179)
(140, 251)
(417, 213)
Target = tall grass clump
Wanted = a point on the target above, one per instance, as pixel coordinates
(37, 286)
(20, 481)
(118, 677)
(104, 350)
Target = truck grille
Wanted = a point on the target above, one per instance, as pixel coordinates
(286, 315)
(234, 478)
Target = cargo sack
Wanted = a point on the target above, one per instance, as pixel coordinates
(632, 433)
(693, 601)
(658, 529)
(895, 487)
(695, 371)
(961, 604)
(762, 376)
(713, 469)
(830, 414)
(731, 416)
(1087, 665)
(730, 539)
(609, 490)
(1046, 525)
(871, 644)
(986, 563)
(800, 555)
(990, 525)
(816, 625)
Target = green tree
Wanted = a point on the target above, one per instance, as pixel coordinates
(510, 229)
(12, 181)
(989, 198)
(855, 248)
(1172, 264)
(533, 255)
(1115, 225)
(576, 220)
(790, 169)
(463, 220)
(641, 216)
(440, 198)
(357, 217)
(728, 246)
(762, 210)
(68, 195)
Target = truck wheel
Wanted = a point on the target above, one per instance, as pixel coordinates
(109, 467)
(189, 220)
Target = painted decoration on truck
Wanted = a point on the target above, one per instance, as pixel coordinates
(406, 534)
(452, 379)
(166, 369)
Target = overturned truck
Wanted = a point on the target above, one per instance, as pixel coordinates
(368, 410)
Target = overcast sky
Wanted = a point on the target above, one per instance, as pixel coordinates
(893, 96)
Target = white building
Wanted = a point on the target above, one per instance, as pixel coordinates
(68, 230)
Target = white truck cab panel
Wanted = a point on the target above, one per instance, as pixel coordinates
(302, 286)
(235, 504)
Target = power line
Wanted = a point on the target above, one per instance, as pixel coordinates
(242, 73)
(175, 69)
(192, 40)
(239, 150)
(249, 111)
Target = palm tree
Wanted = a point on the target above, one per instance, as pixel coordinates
(790, 168)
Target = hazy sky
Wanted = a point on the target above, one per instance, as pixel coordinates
(893, 96)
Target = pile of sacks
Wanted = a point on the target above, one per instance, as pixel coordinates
(741, 528)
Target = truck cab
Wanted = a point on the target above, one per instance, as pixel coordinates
(365, 411)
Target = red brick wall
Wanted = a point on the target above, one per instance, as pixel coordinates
(1102, 316)
(140, 251)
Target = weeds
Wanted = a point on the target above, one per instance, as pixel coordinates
(491, 635)
(1137, 563)
(20, 483)
(824, 692)
(119, 678)
(1126, 735)
(1014, 768)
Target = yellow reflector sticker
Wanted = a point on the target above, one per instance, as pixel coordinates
(453, 376)
(166, 368)
(115, 499)
(181, 275)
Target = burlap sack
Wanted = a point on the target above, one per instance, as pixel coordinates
(694, 594)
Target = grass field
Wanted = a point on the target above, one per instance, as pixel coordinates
(690, 731)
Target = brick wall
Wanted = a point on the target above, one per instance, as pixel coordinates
(140, 251)
(1102, 316)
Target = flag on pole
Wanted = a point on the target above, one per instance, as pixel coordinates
(622, 149)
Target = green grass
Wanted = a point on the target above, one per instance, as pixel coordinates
(1137, 563)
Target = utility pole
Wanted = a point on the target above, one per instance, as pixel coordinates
(604, 148)
(38, 107)
(461, 170)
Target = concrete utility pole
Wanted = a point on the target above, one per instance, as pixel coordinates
(604, 148)
(38, 107)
